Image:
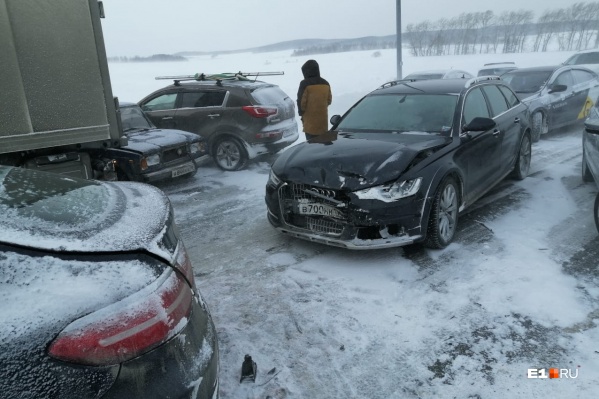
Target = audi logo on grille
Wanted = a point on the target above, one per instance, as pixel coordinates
(321, 191)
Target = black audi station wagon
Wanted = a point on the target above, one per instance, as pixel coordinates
(401, 164)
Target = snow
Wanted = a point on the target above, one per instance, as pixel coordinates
(463, 322)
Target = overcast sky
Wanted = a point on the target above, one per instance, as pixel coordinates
(146, 27)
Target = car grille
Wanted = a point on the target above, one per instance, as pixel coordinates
(291, 194)
(172, 154)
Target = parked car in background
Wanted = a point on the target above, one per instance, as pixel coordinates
(588, 59)
(590, 156)
(439, 74)
(98, 293)
(496, 68)
(153, 154)
(240, 119)
(556, 95)
(401, 164)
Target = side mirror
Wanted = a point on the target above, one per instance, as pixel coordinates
(335, 119)
(558, 88)
(592, 126)
(479, 124)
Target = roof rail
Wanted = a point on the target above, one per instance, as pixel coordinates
(479, 79)
(499, 63)
(218, 77)
(396, 82)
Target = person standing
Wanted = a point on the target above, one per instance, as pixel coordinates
(313, 99)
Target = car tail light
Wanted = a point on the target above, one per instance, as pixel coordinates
(128, 328)
(259, 112)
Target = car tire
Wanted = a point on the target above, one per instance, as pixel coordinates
(539, 126)
(523, 160)
(596, 212)
(230, 154)
(587, 176)
(443, 216)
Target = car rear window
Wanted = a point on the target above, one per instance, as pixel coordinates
(402, 113)
(269, 95)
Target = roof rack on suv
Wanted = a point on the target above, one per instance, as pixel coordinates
(218, 77)
(500, 63)
(396, 82)
(479, 79)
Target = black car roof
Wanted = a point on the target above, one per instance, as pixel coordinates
(432, 86)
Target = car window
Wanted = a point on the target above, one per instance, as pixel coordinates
(526, 81)
(511, 98)
(165, 101)
(402, 113)
(496, 100)
(564, 78)
(269, 95)
(133, 118)
(200, 99)
(581, 76)
(475, 106)
(424, 76)
(586, 58)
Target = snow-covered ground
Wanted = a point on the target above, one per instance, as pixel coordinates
(518, 289)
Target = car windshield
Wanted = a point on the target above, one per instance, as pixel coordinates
(431, 113)
(526, 82)
(133, 118)
(495, 71)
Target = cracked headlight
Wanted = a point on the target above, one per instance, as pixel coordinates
(391, 192)
(273, 179)
(194, 148)
(150, 161)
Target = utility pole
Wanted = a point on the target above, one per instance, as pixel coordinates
(398, 25)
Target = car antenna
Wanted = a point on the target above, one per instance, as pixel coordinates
(218, 77)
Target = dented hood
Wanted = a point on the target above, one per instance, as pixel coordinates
(353, 161)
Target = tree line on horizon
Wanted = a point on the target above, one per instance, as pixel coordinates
(572, 28)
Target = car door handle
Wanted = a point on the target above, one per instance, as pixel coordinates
(517, 120)
(167, 118)
(213, 115)
(496, 133)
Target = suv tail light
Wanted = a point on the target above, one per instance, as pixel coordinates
(128, 328)
(257, 111)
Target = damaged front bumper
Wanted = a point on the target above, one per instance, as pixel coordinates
(353, 224)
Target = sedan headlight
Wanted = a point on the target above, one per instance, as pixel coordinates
(273, 179)
(391, 192)
(150, 161)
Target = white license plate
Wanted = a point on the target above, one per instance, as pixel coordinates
(183, 170)
(319, 209)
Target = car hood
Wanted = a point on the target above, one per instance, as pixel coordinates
(154, 140)
(354, 161)
(58, 213)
